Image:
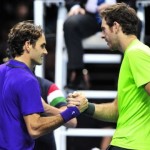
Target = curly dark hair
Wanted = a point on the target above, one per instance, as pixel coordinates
(20, 33)
(124, 15)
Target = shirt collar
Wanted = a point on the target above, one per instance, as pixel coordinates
(17, 64)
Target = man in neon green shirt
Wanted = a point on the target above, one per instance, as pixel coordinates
(131, 107)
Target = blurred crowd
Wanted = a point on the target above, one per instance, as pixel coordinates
(14, 11)
(10, 13)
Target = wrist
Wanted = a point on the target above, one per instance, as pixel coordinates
(90, 110)
(70, 113)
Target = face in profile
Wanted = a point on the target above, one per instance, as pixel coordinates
(38, 51)
(110, 35)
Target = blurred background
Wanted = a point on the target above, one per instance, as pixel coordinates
(103, 76)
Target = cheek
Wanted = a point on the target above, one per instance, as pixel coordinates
(107, 34)
(111, 37)
(34, 54)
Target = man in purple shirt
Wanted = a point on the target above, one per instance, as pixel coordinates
(21, 104)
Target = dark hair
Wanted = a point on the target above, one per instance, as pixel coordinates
(20, 33)
(124, 15)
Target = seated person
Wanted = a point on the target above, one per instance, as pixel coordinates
(83, 21)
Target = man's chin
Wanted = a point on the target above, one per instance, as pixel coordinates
(38, 63)
(113, 49)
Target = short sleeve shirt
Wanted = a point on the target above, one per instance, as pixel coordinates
(19, 96)
(133, 125)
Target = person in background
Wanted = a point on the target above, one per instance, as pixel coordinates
(131, 107)
(22, 106)
(83, 21)
(3, 53)
(133, 5)
(54, 97)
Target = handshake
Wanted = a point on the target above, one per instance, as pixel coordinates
(77, 103)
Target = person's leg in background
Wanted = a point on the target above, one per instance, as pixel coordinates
(105, 142)
(76, 28)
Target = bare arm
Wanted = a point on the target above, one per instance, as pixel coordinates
(50, 110)
(38, 126)
(106, 111)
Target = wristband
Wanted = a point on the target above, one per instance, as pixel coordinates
(90, 110)
(57, 101)
(69, 113)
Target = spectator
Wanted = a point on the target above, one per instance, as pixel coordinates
(133, 5)
(83, 21)
(54, 97)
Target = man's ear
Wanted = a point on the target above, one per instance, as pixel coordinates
(27, 46)
(116, 26)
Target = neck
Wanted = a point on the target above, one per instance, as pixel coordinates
(126, 40)
(23, 59)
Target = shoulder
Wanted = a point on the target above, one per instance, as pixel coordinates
(44, 82)
(137, 48)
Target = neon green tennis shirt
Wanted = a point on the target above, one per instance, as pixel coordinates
(133, 126)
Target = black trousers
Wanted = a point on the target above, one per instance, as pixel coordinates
(76, 28)
(45, 142)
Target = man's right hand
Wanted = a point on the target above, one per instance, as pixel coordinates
(79, 100)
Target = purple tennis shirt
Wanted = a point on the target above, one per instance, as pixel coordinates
(19, 96)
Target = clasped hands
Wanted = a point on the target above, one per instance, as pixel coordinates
(77, 99)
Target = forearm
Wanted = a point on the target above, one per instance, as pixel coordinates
(48, 124)
(38, 126)
(50, 110)
(106, 112)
